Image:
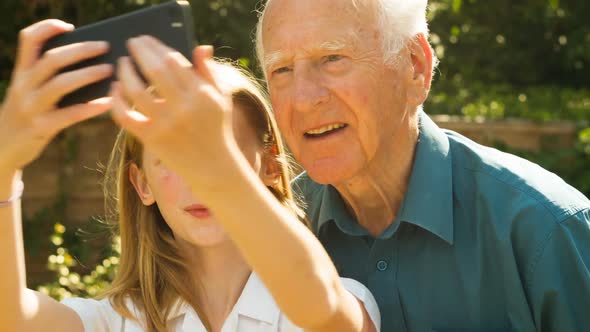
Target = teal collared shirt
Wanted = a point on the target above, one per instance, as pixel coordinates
(483, 241)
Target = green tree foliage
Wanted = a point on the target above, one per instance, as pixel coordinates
(513, 42)
(226, 24)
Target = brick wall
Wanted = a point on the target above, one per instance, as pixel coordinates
(517, 134)
(73, 157)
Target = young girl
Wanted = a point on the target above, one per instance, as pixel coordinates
(200, 189)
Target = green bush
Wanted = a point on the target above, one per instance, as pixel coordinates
(71, 284)
(539, 103)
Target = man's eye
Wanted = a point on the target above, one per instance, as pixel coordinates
(334, 57)
(281, 70)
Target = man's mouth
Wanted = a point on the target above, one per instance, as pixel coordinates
(325, 130)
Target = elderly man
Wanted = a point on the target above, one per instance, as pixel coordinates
(446, 233)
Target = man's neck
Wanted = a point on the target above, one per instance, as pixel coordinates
(374, 196)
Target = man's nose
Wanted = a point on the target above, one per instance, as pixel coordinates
(309, 88)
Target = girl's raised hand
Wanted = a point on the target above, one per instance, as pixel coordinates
(187, 120)
(29, 117)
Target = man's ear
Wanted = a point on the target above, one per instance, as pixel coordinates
(422, 62)
(142, 187)
(270, 172)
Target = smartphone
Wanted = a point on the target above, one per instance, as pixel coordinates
(170, 22)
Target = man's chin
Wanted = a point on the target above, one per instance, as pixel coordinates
(329, 174)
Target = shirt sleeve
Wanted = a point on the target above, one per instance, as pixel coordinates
(97, 316)
(559, 282)
(355, 288)
(364, 295)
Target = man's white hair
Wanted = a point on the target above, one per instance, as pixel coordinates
(398, 21)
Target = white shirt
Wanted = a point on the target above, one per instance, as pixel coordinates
(255, 311)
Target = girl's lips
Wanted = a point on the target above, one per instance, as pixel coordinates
(199, 211)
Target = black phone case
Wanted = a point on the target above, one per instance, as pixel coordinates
(170, 22)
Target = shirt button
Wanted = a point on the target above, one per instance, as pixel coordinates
(381, 265)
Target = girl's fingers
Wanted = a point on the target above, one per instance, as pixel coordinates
(201, 56)
(55, 59)
(51, 92)
(32, 38)
(124, 116)
(208, 73)
(155, 68)
(71, 115)
(134, 89)
(179, 66)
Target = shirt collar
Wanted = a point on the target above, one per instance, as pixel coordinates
(428, 202)
(333, 208)
(255, 302)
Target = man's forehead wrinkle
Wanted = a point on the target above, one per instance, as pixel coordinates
(282, 10)
(334, 45)
(285, 37)
(348, 40)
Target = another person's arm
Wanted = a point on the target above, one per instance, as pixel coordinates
(190, 129)
(287, 256)
(28, 121)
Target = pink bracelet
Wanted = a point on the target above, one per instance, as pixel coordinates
(20, 186)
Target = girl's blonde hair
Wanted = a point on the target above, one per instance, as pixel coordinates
(152, 273)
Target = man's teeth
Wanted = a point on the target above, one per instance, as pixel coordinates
(325, 129)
